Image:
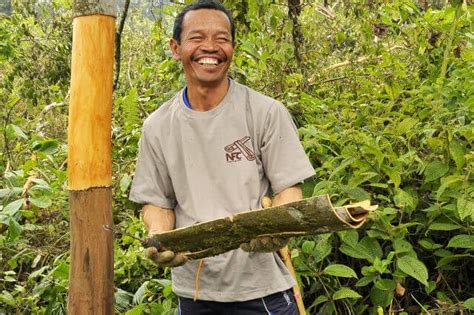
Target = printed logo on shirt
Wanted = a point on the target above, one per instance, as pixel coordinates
(239, 149)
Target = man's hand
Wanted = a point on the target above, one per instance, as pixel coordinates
(158, 220)
(264, 244)
(165, 258)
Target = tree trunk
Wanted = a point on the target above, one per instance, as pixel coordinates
(91, 286)
(5, 8)
(305, 217)
(294, 11)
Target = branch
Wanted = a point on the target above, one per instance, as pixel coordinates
(310, 216)
(118, 42)
(358, 60)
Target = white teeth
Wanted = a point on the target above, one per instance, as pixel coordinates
(208, 61)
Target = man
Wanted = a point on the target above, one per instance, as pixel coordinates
(215, 149)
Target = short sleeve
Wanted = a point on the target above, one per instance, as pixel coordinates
(151, 183)
(284, 161)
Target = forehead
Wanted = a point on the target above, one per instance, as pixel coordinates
(205, 20)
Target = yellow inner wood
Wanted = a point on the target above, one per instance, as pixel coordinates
(90, 108)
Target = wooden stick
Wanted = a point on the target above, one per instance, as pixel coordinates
(286, 258)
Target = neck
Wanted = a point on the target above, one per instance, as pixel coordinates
(204, 98)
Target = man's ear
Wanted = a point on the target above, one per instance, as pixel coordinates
(175, 49)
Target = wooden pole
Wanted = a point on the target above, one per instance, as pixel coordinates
(91, 286)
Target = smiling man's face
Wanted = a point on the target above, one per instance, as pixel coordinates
(206, 47)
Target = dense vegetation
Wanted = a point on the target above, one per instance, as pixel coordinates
(382, 93)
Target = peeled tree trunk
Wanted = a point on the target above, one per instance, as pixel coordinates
(91, 286)
(310, 216)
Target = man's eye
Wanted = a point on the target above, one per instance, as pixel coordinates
(223, 39)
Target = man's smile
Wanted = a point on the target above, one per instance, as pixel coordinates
(208, 61)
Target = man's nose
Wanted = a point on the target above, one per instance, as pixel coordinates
(209, 45)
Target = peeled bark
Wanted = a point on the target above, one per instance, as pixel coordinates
(310, 216)
(91, 286)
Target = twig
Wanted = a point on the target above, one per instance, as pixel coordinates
(118, 42)
(5, 138)
(358, 60)
(53, 105)
(326, 11)
(447, 51)
(421, 305)
(335, 79)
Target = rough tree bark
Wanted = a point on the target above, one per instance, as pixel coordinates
(118, 42)
(5, 8)
(305, 217)
(294, 11)
(91, 285)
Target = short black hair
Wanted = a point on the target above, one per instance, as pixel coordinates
(201, 4)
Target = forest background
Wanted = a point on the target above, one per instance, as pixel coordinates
(382, 94)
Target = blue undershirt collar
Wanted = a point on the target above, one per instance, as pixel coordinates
(185, 95)
(185, 98)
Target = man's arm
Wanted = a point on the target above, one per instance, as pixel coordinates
(157, 219)
(268, 243)
(288, 195)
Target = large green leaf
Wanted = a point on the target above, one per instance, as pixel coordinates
(435, 170)
(441, 226)
(140, 293)
(14, 229)
(462, 241)
(7, 298)
(10, 192)
(358, 252)
(447, 260)
(345, 293)
(469, 304)
(125, 182)
(385, 284)
(61, 271)
(13, 207)
(401, 246)
(373, 246)
(406, 124)
(137, 310)
(465, 207)
(414, 268)
(358, 193)
(449, 182)
(41, 202)
(320, 299)
(17, 131)
(339, 270)
(393, 174)
(380, 297)
(457, 153)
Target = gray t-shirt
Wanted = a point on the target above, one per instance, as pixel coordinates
(208, 165)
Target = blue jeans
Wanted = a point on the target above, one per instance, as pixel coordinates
(280, 303)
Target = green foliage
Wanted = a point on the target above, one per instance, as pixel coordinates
(393, 124)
